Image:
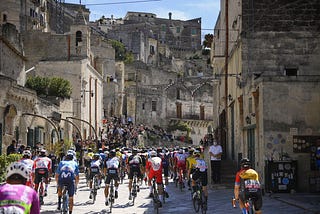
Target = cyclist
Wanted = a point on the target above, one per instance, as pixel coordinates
(42, 169)
(247, 186)
(26, 159)
(165, 158)
(67, 174)
(154, 169)
(189, 163)
(180, 163)
(200, 172)
(112, 165)
(134, 165)
(15, 196)
(95, 169)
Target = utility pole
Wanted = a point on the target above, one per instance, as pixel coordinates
(226, 68)
(136, 96)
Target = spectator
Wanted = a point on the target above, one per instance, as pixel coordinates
(215, 152)
(12, 148)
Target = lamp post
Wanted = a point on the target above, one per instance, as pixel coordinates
(94, 130)
(54, 126)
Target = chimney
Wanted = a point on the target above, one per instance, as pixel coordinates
(170, 15)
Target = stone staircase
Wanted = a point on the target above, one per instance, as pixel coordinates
(228, 173)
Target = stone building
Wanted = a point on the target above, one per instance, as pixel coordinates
(164, 49)
(24, 116)
(52, 51)
(72, 58)
(268, 89)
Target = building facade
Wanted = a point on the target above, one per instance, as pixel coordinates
(268, 87)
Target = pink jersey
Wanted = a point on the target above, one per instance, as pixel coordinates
(42, 163)
(18, 199)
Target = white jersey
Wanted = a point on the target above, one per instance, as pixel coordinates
(113, 163)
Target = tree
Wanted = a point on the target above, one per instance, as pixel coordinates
(121, 54)
(55, 86)
(208, 39)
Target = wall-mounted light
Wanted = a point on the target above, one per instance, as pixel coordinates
(248, 120)
(90, 91)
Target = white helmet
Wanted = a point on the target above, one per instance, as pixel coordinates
(18, 168)
(72, 152)
(26, 153)
(153, 153)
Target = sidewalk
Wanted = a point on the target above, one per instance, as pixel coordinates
(307, 201)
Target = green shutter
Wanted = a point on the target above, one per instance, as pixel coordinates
(30, 141)
(36, 135)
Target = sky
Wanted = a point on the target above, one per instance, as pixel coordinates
(208, 10)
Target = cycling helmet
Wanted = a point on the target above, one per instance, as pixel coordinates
(134, 151)
(69, 155)
(26, 153)
(191, 151)
(245, 163)
(89, 150)
(112, 153)
(196, 153)
(180, 151)
(72, 152)
(96, 155)
(43, 152)
(153, 153)
(18, 168)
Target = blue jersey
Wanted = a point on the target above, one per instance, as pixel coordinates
(68, 169)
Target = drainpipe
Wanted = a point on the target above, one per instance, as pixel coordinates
(226, 68)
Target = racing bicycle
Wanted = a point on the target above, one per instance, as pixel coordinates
(198, 198)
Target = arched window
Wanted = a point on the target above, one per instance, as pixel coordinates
(78, 38)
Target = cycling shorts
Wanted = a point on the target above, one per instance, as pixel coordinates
(203, 176)
(112, 174)
(133, 170)
(157, 175)
(181, 166)
(255, 196)
(70, 185)
(94, 171)
(41, 173)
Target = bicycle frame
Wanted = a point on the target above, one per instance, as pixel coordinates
(135, 187)
(249, 206)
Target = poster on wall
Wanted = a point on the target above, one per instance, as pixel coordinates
(303, 144)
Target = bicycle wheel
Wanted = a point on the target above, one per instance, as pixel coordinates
(249, 206)
(155, 197)
(111, 195)
(95, 188)
(65, 202)
(196, 201)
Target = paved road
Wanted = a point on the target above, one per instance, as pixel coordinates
(178, 202)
